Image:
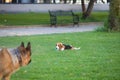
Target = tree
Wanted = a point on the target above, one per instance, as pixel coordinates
(83, 7)
(54, 1)
(74, 1)
(114, 15)
(86, 13)
(65, 1)
(14, 1)
(47, 1)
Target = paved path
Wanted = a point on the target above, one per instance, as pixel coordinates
(14, 8)
(37, 30)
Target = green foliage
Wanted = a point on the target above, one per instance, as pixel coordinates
(104, 28)
(98, 58)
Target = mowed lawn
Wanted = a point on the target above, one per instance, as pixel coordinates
(44, 18)
(98, 58)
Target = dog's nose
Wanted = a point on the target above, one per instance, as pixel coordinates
(57, 47)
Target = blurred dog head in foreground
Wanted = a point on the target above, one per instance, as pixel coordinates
(13, 59)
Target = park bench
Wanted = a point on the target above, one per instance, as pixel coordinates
(54, 14)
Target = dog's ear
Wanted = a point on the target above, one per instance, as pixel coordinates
(22, 44)
(28, 46)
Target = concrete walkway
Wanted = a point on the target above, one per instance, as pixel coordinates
(37, 30)
(15, 8)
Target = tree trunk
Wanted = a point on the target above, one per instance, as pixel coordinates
(74, 1)
(47, 1)
(65, 1)
(54, 1)
(89, 9)
(114, 15)
(14, 1)
(83, 7)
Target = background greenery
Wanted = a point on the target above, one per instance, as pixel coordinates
(44, 19)
(98, 58)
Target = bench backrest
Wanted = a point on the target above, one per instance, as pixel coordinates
(61, 13)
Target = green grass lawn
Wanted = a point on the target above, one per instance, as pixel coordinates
(98, 58)
(44, 19)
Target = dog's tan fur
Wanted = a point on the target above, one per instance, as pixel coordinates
(13, 59)
(60, 46)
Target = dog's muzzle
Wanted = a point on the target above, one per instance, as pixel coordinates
(29, 61)
(57, 47)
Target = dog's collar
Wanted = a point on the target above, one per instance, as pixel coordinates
(18, 54)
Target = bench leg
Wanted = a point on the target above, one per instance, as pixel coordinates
(75, 24)
(53, 21)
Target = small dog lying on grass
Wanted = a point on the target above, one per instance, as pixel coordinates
(60, 46)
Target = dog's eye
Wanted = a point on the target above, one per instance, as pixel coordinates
(24, 52)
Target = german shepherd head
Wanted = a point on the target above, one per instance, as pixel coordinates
(13, 59)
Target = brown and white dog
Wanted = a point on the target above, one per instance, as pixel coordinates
(60, 46)
(13, 59)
